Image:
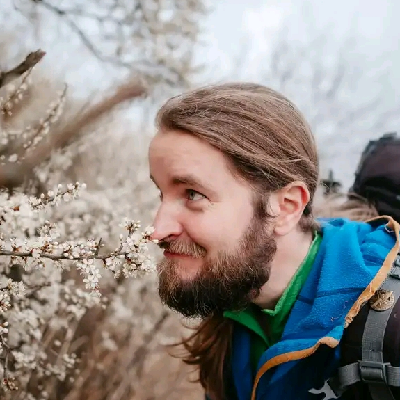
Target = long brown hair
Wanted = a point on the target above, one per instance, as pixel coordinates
(268, 143)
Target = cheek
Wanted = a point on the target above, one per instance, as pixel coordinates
(203, 231)
(217, 231)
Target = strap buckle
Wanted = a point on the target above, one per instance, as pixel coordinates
(373, 371)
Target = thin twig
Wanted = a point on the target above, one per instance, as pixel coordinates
(12, 174)
(139, 357)
(56, 257)
(85, 39)
(30, 61)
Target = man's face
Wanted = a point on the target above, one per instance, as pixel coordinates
(217, 247)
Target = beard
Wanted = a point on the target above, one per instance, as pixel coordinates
(229, 281)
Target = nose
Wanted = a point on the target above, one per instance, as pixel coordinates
(166, 223)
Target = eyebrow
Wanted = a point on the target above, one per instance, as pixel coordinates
(187, 179)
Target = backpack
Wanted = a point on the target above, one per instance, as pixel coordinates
(370, 347)
(377, 177)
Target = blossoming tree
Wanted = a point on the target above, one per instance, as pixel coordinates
(51, 255)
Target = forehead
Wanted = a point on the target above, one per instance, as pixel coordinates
(174, 153)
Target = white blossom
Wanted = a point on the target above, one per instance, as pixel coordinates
(61, 246)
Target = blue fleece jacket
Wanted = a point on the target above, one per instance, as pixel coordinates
(353, 261)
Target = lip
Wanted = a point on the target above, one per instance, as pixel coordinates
(175, 255)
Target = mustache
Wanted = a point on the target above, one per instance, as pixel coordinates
(188, 248)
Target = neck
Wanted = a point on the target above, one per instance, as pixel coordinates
(291, 250)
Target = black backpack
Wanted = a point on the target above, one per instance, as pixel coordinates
(370, 347)
(377, 177)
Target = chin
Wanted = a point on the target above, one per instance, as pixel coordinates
(187, 274)
(188, 269)
(185, 269)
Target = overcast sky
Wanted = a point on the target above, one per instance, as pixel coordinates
(243, 32)
(374, 60)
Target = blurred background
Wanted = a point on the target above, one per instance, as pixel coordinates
(338, 61)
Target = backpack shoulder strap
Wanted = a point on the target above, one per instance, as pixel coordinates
(372, 369)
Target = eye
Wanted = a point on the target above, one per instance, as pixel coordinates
(192, 195)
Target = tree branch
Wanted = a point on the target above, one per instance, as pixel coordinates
(84, 38)
(56, 257)
(30, 61)
(13, 174)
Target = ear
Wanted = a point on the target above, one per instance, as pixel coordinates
(289, 203)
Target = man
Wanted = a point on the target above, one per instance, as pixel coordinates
(237, 168)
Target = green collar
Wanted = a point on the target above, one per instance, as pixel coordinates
(277, 317)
